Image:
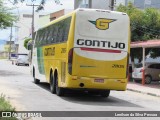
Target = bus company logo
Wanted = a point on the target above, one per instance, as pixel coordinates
(102, 23)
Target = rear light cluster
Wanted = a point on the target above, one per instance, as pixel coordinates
(127, 67)
(70, 58)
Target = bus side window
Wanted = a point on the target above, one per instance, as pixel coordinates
(66, 29)
(45, 41)
(49, 35)
(37, 39)
(64, 32)
(41, 37)
(52, 39)
(60, 31)
(54, 35)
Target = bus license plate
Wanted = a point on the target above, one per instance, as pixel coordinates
(99, 80)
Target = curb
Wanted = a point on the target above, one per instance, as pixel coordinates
(147, 93)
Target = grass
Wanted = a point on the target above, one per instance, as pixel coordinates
(6, 106)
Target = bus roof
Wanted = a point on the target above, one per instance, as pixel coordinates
(80, 9)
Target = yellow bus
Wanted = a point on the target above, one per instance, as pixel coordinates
(86, 50)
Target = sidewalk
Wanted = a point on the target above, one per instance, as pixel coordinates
(149, 89)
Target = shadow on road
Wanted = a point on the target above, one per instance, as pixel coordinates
(80, 97)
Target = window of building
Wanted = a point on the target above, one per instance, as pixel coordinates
(27, 15)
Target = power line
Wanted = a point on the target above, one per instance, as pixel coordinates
(33, 5)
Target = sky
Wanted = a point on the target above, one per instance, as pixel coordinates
(49, 7)
(2, 42)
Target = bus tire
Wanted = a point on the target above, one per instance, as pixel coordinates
(105, 93)
(36, 81)
(59, 90)
(52, 84)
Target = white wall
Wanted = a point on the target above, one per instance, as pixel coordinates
(24, 30)
(118, 2)
(44, 20)
(100, 4)
(96, 4)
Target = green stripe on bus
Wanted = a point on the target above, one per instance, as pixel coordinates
(40, 60)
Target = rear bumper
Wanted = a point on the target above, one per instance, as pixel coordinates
(137, 75)
(90, 83)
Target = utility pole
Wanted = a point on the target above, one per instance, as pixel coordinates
(111, 5)
(90, 4)
(9, 57)
(32, 26)
(33, 5)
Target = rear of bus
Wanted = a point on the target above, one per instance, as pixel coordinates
(98, 59)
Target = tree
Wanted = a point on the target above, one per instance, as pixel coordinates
(7, 48)
(145, 25)
(6, 18)
(26, 42)
(41, 4)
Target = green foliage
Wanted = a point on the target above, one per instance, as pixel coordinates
(26, 42)
(6, 18)
(145, 25)
(5, 105)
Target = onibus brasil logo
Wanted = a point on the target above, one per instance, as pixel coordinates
(102, 23)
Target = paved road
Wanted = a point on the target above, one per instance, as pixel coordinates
(17, 84)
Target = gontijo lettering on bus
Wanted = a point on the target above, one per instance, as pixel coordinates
(100, 43)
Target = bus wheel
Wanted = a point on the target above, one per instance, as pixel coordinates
(59, 90)
(52, 84)
(36, 81)
(105, 93)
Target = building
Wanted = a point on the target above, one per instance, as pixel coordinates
(24, 25)
(45, 19)
(7, 46)
(24, 30)
(106, 4)
(141, 4)
(56, 15)
(96, 4)
(4, 54)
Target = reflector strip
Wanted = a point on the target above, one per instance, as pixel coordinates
(101, 50)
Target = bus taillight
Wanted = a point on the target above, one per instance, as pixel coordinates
(127, 66)
(70, 58)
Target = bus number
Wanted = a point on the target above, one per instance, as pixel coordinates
(117, 66)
